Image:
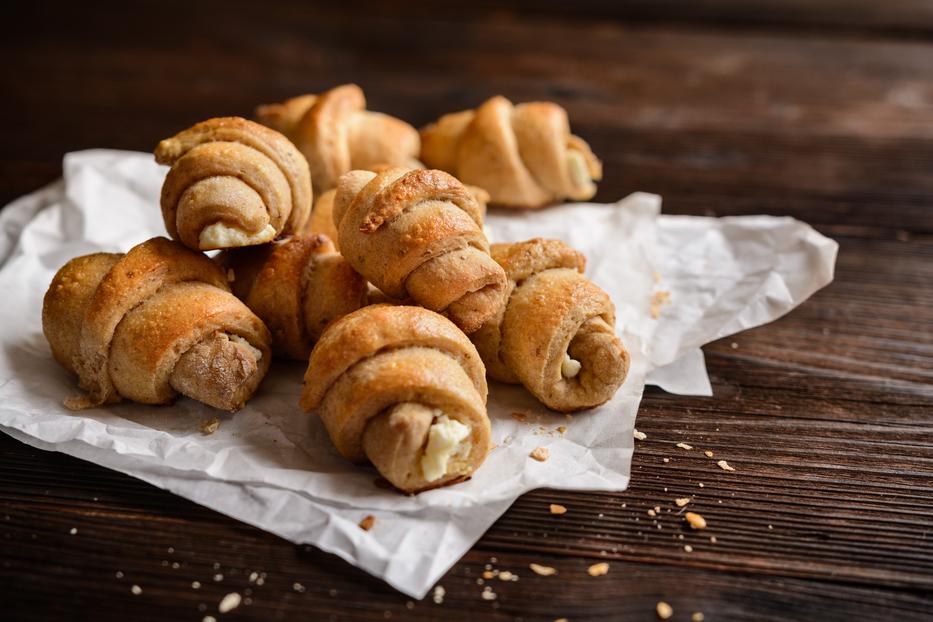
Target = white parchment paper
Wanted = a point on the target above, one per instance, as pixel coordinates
(272, 466)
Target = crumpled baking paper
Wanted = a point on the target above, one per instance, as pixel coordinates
(273, 466)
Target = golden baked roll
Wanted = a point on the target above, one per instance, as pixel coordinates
(418, 235)
(556, 334)
(297, 286)
(337, 134)
(405, 389)
(232, 183)
(153, 323)
(524, 155)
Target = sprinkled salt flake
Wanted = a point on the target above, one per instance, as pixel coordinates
(708, 453)
(488, 594)
(298, 587)
(695, 520)
(639, 435)
(684, 446)
(725, 466)
(561, 429)
(688, 548)
(367, 523)
(697, 616)
(665, 460)
(136, 590)
(229, 602)
(210, 426)
(544, 571)
(438, 595)
(540, 453)
(505, 575)
(652, 513)
(73, 530)
(558, 509)
(664, 610)
(195, 585)
(598, 570)
(682, 501)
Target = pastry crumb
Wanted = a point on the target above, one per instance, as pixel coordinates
(556, 508)
(505, 575)
(136, 590)
(658, 300)
(695, 520)
(640, 435)
(298, 587)
(540, 453)
(684, 446)
(544, 571)
(664, 610)
(688, 548)
(652, 513)
(682, 501)
(697, 616)
(367, 523)
(210, 426)
(708, 453)
(561, 429)
(488, 594)
(229, 602)
(725, 466)
(438, 595)
(598, 570)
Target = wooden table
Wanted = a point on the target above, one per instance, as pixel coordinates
(821, 110)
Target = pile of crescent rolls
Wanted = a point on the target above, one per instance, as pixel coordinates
(388, 287)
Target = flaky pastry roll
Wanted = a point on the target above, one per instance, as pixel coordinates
(556, 334)
(232, 183)
(403, 388)
(418, 235)
(148, 325)
(337, 134)
(297, 286)
(523, 155)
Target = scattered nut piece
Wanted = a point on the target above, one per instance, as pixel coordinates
(664, 610)
(558, 509)
(684, 446)
(210, 426)
(640, 435)
(540, 453)
(598, 570)
(682, 501)
(708, 453)
(367, 523)
(544, 571)
(725, 466)
(695, 520)
(229, 602)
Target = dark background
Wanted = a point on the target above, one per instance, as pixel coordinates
(819, 109)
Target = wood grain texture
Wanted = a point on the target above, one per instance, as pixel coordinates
(818, 110)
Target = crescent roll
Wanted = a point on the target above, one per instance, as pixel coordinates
(232, 183)
(297, 286)
(148, 325)
(556, 334)
(524, 155)
(405, 389)
(337, 134)
(418, 235)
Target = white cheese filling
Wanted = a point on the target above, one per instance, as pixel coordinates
(447, 438)
(569, 368)
(219, 235)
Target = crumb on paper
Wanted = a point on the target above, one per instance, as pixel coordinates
(367, 523)
(210, 426)
(725, 466)
(438, 595)
(684, 446)
(229, 602)
(598, 570)
(708, 453)
(663, 610)
(544, 571)
(697, 616)
(561, 429)
(520, 417)
(681, 502)
(656, 276)
(688, 548)
(136, 590)
(695, 520)
(640, 435)
(658, 300)
(540, 453)
(557, 508)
